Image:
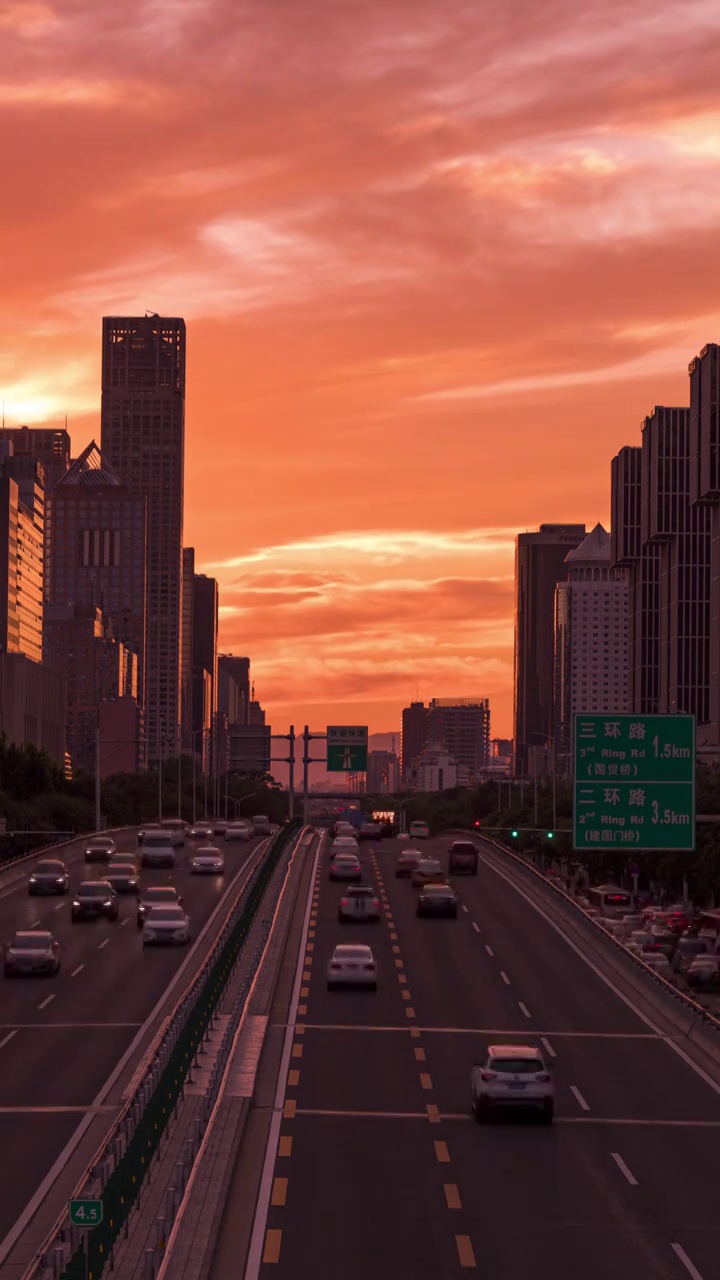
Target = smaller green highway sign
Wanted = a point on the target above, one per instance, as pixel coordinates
(634, 781)
(347, 748)
(86, 1213)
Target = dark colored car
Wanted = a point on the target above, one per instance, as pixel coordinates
(123, 877)
(407, 862)
(661, 940)
(49, 876)
(32, 951)
(462, 858)
(157, 895)
(95, 898)
(437, 900)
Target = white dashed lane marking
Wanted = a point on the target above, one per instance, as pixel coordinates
(8, 1037)
(548, 1047)
(688, 1265)
(75, 972)
(629, 1177)
(489, 950)
(44, 1003)
(577, 1094)
(504, 977)
(103, 943)
(476, 927)
(524, 1009)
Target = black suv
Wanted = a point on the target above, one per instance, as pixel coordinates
(93, 899)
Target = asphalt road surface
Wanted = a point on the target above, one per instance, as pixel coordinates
(60, 1037)
(381, 1171)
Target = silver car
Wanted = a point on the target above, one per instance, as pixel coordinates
(32, 951)
(201, 831)
(50, 876)
(169, 925)
(346, 866)
(359, 903)
(207, 861)
(352, 965)
(100, 849)
(512, 1075)
(237, 831)
(156, 895)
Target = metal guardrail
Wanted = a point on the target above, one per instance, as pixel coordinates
(119, 1173)
(668, 987)
(6, 864)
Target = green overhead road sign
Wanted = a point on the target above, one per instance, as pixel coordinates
(634, 782)
(347, 748)
(86, 1213)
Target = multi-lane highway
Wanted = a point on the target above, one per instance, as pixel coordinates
(379, 1167)
(61, 1037)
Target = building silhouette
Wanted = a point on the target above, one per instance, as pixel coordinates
(143, 440)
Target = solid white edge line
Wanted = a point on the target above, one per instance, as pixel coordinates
(581, 1101)
(662, 1036)
(31, 1208)
(688, 1265)
(195, 1172)
(630, 1177)
(257, 1239)
(7, 1038)
(548, 1047)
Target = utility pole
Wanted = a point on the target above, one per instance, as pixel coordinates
(179, 764)
(306, 770)
(291, 777)
(98, 814)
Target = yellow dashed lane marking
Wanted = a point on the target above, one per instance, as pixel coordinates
(425, 1080)
(409, 1013)
(306, 975)
(290, 1108)
(433, 1113)
(302, 1010)
(404, 993)
(304, 993)
(293, 1079)
(419, 1054)
(285, 1147)
(310, 946)
(441, 1151)
(297, 1051)
(300, 1029)
(273, 1240)
(311, 933)
(393, 937)
(279, 1191)
(399, 964)
(452, 1196)
(396, 951)
(465, 1251)
(413, 1030)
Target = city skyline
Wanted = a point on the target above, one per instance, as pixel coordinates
(471, 255)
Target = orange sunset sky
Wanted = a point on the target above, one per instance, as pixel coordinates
(437, 260)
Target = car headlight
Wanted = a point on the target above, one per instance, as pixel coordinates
(60, 880)
(76, 903)
(33, 880)
(107, 902)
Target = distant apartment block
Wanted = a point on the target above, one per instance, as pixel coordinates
(383, 773)
(435, 769)
(22, 524)
(234, 687)
(413, 737)
(50, 445)
(462, 726)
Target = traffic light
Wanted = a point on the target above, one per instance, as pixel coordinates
(515, 833)
(551, 835)
(477, 824)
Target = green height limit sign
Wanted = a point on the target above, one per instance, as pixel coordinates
(86, 1213)
(634, 781)
(347, 748)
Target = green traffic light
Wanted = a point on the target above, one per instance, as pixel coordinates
(550, 835)
(515, 834)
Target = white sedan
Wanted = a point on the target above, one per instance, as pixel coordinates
(169, 925)
(208, 861)
(352, 965)
(237, 831)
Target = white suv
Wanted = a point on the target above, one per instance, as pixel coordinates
(512, 1075)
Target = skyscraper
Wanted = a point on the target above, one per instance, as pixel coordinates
(666, 541)
(234, 687)
(50, 445)
(189, 742)
(539, 566)
(205, 660)
(413, 736)
(704, 492)
(143, 439)
(591, 637)
(95, 551)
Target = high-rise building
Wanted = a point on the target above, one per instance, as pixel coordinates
(539, 566)
(591, 638)
(188, 610)
(249, 748)
(49, 445)
(94, 667)
(205, 650)
(435, 769)
(234, 687)
(383, 773)
(413, 737)
(669, 556)
(32, 705)
(22, 523)
(143, 439)
(704, 492)
(462, 726)
(96, 548)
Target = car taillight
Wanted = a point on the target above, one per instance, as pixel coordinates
(488, 1075)
(543, 1077)
(368, 966)
(344, 902)
(376, 902)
